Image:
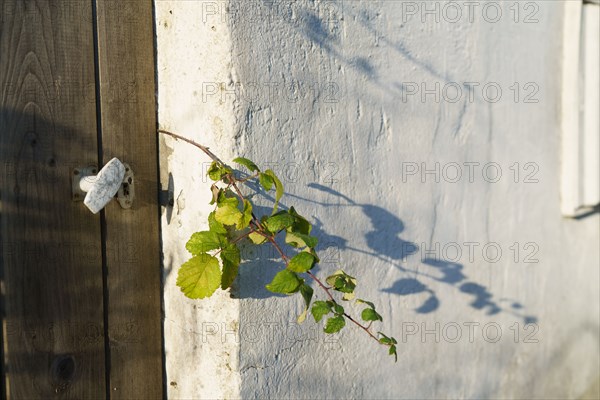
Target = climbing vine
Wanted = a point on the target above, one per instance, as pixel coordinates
(233, 221)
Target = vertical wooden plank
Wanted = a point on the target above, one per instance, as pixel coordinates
(127, 93)
(50, 252)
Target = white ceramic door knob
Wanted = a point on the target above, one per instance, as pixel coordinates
(102, 188)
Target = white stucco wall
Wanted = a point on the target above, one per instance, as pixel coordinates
(321, 90)
(190, 52)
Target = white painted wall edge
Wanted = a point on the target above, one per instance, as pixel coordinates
(570, 172)
(591, 105)
(201, 351)
(580, 126)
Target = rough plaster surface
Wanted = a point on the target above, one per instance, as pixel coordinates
(319, 89)
(191, 53)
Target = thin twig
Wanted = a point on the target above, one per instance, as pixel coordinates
(209, 153)
(321, 284)
(235, 241)
(279, 250)
(255, 175)
(198, 145)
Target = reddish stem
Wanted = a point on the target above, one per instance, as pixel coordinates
(198, 145)
(235, 241)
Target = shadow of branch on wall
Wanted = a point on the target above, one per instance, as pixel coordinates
(323, 26)
(385, 244)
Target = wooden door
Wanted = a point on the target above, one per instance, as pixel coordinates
(80, 293)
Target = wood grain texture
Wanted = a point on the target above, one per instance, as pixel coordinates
(50, 254)
(127, 93)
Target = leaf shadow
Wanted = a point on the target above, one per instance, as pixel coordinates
(386, 244)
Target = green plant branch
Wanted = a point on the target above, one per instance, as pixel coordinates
(209, 153)
(201, 275)
(325, 288)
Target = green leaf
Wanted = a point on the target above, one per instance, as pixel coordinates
(307, 293)
(228, 214)
(284, 282)
(359, 301)
(278, 188)
(230, 256)
(387, 340)
(392, 351)
(314, 254)
(201, 242)
(257, 238)
(342, 282)
(199, 277)
(369, 314)
(279, 221)
(335, 324)
(348, 296)
(266, 181)
(331, 279)
(302, 317)
(300, 240)
(216, 192)
(227, 197)
(246, 215)
(301, 224)
(246, 163)
(216, 171)
(338, 309)
(301, 262)
(320, 309)
(214, 225)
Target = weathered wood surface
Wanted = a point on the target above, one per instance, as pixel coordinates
(54, 302)
(51, 259)
(128, 109)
